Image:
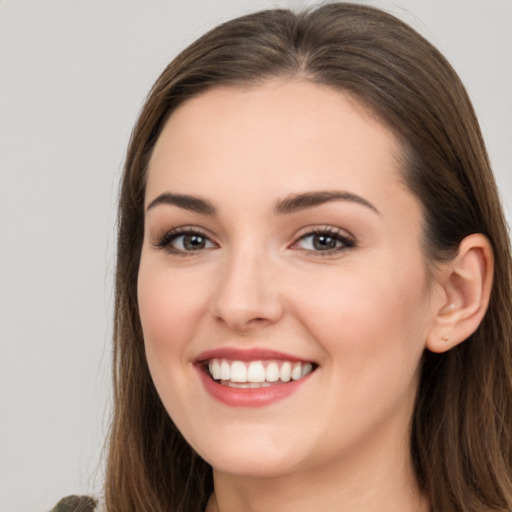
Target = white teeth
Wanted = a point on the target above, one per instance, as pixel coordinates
(256, 374)
(272, 372)
(225, 370)
(238, 371)
(285, 372)
(214, 367)
(296, 371)
(307, 368)
(243, 385)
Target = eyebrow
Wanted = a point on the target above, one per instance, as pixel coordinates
(307, 200)
(290, 204)
(195, 204)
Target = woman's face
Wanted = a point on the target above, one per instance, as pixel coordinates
(282, 248)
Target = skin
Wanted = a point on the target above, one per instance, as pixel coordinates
(363, 313)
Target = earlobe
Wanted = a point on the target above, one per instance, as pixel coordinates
(466, 282)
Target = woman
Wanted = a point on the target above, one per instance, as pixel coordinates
(313, 287)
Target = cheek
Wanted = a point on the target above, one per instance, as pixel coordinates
(169, 310)
(170, 307)
(168, 301)
(368, 316)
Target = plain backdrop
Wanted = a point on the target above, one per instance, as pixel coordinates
(73, 75)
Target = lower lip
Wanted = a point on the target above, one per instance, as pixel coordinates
(249, 397)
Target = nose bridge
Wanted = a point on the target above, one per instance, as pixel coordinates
(247, 294)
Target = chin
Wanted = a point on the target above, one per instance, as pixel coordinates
(266, 466)
(256, 458)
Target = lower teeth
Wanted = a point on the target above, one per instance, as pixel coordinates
(244, 385)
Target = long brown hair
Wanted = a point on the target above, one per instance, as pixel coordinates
(461, 431)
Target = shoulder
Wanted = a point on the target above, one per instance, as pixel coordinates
(76, 504)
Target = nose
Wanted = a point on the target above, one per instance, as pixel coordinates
(247, 295)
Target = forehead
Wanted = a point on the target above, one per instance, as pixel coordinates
(283, 136)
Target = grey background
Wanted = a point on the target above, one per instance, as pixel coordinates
(73, 75)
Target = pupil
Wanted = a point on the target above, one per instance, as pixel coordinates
(324, 242)
(193, 242)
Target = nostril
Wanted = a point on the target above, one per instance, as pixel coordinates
(243, 324)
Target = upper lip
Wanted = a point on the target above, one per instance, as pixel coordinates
(251, 354)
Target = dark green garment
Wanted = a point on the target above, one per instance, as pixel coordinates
(75, 504)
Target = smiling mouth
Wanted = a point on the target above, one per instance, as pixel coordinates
(256, 374)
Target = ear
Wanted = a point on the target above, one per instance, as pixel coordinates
(466, 283)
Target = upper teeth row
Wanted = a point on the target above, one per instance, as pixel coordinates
(258, 371)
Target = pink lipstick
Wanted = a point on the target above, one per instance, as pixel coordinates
(251, 378)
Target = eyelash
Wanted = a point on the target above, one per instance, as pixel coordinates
(346, 242)
(165, 242)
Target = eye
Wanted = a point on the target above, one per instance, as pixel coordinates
(327, 241)
(190, 242)
(184, 241)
